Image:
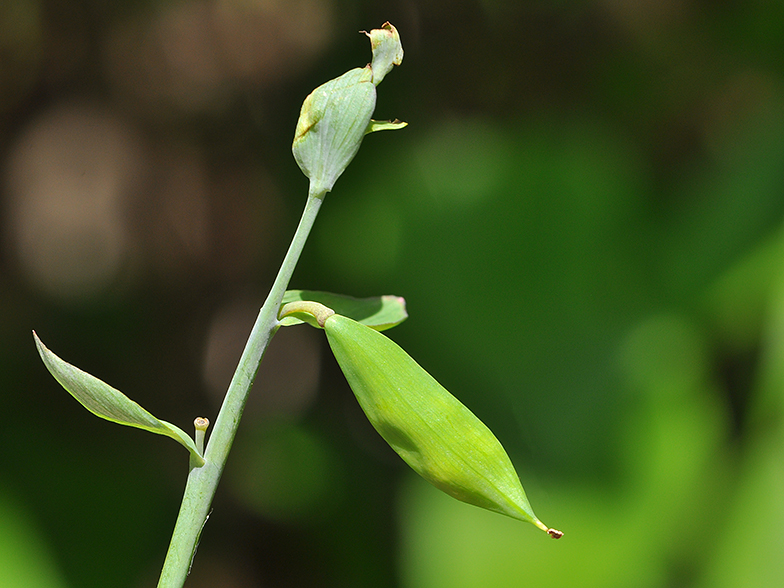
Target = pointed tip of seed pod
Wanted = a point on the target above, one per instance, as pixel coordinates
(554, 533)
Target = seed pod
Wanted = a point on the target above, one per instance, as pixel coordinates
(428, 427)
(332, 122)
(335, 117)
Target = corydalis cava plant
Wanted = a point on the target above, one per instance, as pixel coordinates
(428, 427)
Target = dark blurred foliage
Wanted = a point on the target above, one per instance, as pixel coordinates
(585, 216)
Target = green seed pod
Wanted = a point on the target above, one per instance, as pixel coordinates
(428, 427)
(335, 117)
(331, 125)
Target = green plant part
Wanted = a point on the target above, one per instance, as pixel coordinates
(200, 424)
(108, 403)
(336, 116)
(377, 312)
(387, 51)
(439, 437)
(430, 429)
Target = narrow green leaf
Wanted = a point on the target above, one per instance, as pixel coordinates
(108, 403)
(378, 312)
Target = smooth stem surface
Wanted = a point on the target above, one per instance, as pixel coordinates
(203, 481)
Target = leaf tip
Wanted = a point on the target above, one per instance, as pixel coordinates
(43, 350)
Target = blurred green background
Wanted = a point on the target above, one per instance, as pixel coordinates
(584, 215)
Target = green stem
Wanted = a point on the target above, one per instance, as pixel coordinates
(203, 481)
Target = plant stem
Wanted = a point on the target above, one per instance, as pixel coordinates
(203, 481)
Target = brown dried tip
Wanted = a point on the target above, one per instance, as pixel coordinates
(201, 424)
(555, 533)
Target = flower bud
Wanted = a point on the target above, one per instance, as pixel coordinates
(428, 427)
